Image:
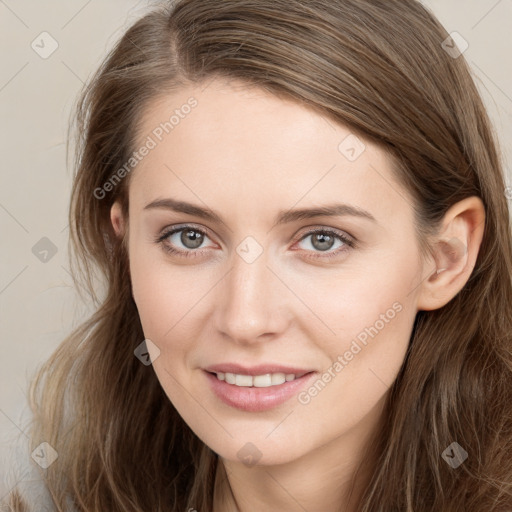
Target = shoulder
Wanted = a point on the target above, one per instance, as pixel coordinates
(23, 475)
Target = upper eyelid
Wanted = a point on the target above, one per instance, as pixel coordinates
(176, 229)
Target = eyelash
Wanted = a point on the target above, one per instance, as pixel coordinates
(193, 253)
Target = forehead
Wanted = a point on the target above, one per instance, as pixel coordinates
(225, 141)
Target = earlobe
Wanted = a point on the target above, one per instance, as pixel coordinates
(117, 219)
(455, 251)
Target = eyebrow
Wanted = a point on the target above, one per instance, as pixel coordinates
(283, 217)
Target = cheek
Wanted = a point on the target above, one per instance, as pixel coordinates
(373, 317)
(358, 300)
(151, 289)
(169, 300)
(370, 316)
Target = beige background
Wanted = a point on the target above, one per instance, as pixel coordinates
(38, 306)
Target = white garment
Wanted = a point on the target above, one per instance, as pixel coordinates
(22, 473)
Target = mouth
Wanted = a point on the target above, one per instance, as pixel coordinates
(256, 393)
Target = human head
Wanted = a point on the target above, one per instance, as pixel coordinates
(323, 55)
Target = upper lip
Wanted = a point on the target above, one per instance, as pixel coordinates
(260, 369)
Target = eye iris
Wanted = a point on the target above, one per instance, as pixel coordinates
(191, 239)
(322, 242)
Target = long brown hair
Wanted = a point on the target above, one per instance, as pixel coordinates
(378, 67)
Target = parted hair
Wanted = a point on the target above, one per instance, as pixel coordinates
(380, 68)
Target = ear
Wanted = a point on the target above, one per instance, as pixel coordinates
(455, 251)
(117, 219)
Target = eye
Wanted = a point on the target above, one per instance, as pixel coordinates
(324, 240)
(183, 240)
(187, 240)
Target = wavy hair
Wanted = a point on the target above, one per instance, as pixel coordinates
(378, 67)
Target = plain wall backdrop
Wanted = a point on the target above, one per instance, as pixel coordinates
(39, 83)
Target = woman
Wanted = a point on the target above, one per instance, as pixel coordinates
(299, 212)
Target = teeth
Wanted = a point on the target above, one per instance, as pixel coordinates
(258, 381)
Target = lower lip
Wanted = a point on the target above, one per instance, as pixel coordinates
(253, 399)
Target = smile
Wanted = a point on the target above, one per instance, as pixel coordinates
(256, 393)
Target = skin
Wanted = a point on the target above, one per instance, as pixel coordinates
(247, 155)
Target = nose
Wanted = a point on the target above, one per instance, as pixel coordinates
(252, 303)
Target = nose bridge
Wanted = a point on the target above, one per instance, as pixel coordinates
(250, 304)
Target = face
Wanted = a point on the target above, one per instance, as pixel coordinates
(297, 254)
